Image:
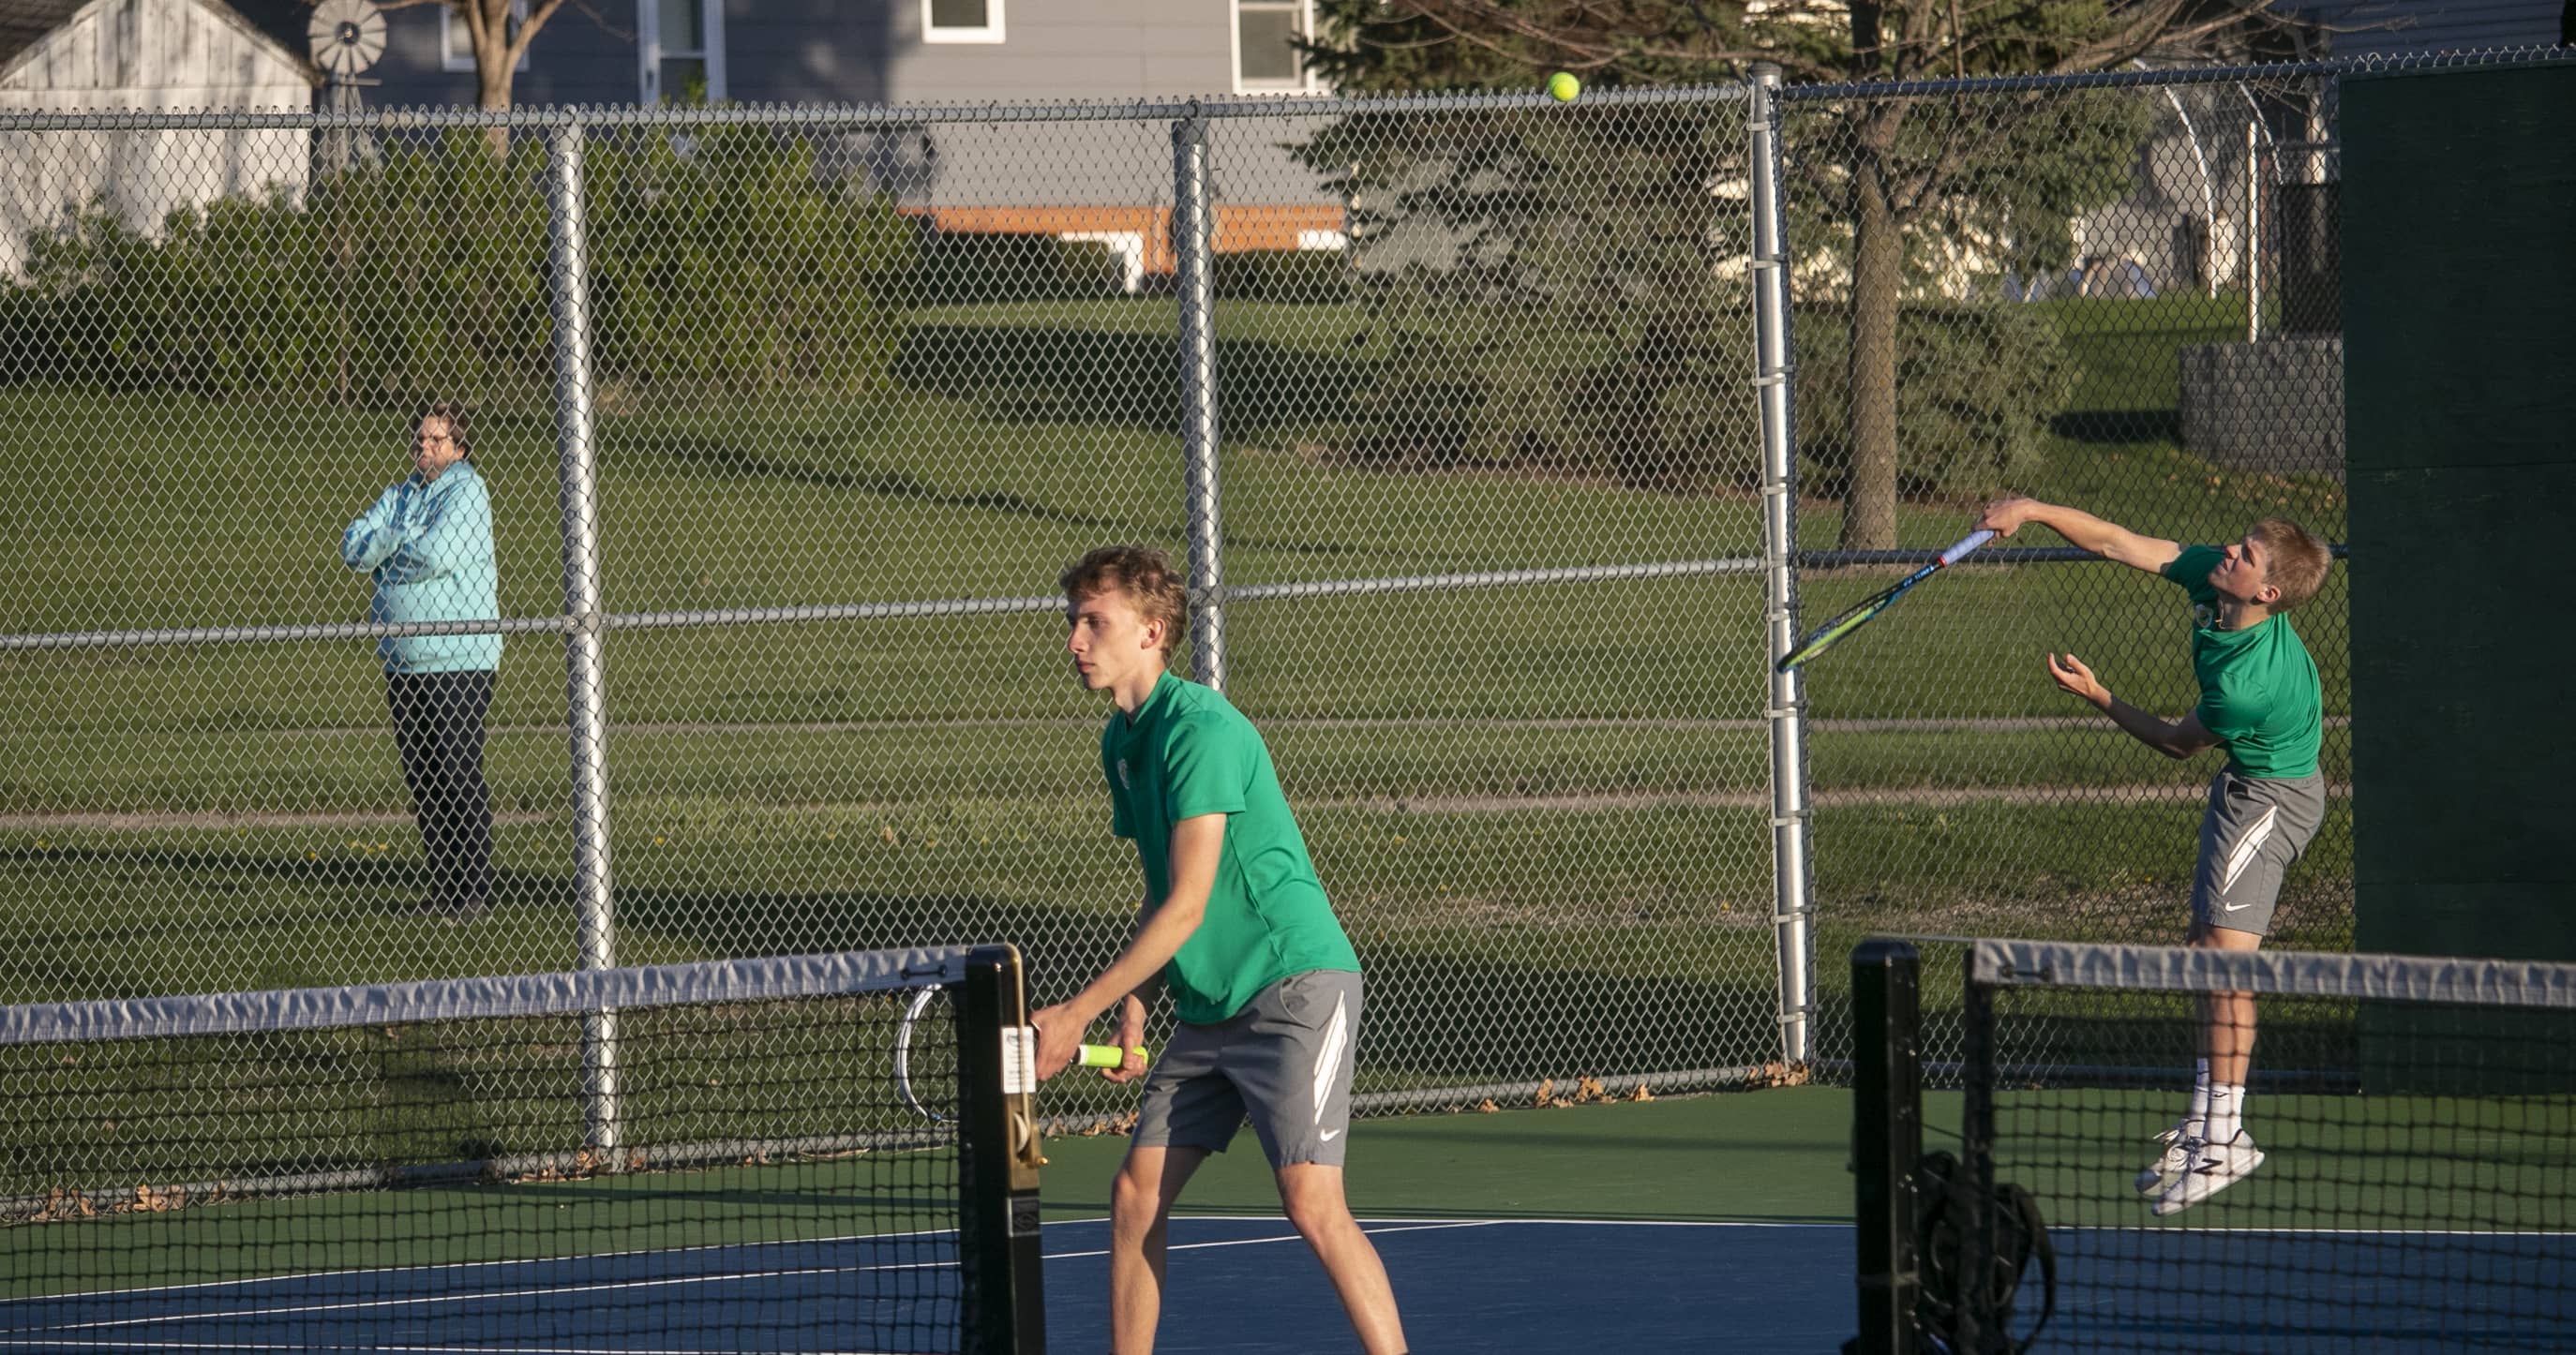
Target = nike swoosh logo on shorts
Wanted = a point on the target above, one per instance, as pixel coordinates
(2244, 852)
(1331, 1134)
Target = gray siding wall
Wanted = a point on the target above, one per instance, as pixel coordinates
(856, 51)
(2402, 27)
(574, 61)
(871, 52)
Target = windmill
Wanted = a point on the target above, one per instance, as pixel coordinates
(347, 36)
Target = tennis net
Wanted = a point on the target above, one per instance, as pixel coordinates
(2415, 1188)
(828, 1152)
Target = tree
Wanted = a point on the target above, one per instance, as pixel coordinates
(501, 41)
(2011, 172)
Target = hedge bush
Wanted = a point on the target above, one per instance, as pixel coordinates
(1661, 397)
(723, 259)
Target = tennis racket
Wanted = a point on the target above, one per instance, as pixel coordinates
(1832, 632)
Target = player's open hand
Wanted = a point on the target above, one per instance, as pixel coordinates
(2073, 677)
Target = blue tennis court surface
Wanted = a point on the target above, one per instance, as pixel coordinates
(1237, 1284)
(859, 1294)
(1248, 1284)
(2259, 1291)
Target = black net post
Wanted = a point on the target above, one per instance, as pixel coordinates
(1887, 1138)
(998, 1157)
(1976, 1161)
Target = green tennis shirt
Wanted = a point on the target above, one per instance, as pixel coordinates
(1188, 752)
(2258, 687)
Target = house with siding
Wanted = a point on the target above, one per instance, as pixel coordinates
(2191, 222)
(2388, 28)
(60, 56)
(1106, 180)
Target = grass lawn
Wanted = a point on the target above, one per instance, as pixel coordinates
(1528, 802)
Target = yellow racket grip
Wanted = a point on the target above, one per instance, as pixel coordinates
(1106, 1056)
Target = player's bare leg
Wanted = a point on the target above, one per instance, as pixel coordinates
(1140, 1216)
(2227, 1019)
(2225, 1153)
(1312, 1193)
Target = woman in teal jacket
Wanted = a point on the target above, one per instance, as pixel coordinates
(427, 542)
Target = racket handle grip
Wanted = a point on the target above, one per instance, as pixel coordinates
(1970, 542)
(1104, 1056)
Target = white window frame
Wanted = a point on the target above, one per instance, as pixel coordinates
(1305, 82)
(649, 51)
(990, 32)
(451, 25)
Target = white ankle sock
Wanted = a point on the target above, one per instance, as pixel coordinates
(2226, 1113)
(2198, 1115)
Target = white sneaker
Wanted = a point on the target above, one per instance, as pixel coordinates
(2169, 1163)
(2212, 1167)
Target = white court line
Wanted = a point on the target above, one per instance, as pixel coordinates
(1400, 1222)
(446, 1266)
(2364, 1233)
(1388, 1226)
(361, 1305)
(386, 1349)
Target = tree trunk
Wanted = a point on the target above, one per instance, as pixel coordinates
(1878, 276)
(492, 81)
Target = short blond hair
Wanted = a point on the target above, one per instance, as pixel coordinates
(2295, 561)
(1142, 575)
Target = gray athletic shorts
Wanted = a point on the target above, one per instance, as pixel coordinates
(1286, 1058)
(2256, 826)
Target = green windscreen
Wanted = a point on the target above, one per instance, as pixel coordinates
(2459, 307)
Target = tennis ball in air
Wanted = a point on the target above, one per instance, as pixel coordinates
(1564, 86)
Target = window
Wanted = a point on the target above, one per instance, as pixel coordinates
(680, 44)
(961, 20)
(1266, 60)
(456, 41)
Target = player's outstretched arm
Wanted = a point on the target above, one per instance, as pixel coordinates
(2174, 738)
(2082, 530)
(1198, 844)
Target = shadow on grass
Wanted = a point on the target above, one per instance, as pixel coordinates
(1430, 1017)
(1433, 1018)
(1024, 374)
(2118, 425)
(731, 461)
(727, 460)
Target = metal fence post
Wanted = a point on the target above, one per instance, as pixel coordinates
(584, 690)
(1773, 366)
(2253, 232)
(1193, 234)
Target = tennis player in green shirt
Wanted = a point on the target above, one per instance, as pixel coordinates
(1234, 922)
(2260, 700)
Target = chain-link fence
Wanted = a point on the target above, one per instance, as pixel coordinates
(1470, 415)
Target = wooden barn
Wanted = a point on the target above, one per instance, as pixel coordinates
(60, 56)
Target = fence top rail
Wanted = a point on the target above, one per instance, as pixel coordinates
(860, 116)
(845, 116)
(2166, 76)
